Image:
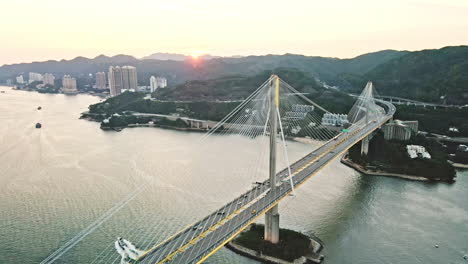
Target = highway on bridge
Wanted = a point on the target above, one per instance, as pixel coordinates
(197, 242)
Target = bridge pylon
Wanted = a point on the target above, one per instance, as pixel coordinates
(272, 215)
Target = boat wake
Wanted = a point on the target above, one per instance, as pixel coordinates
(127, 250)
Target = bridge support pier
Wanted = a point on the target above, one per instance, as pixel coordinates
(272, 225)
(365, 145)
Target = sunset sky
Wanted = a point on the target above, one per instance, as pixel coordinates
(34, 30)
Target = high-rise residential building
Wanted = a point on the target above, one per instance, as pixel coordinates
(153, 84)
(101, 82)
(35, 77)
(122, 78)
(19, 79)
(69, 84)
(157, 82)
(129, 78)
(162, 82)
(115, 80)
(48, 79)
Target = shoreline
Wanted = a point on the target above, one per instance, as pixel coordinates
(360, 169)
(100, 95)
(118, 129)
(459, 165)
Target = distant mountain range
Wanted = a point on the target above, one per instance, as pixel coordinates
(181, 57)
(423, 75)
(178, 71)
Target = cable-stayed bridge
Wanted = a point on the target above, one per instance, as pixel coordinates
(274, 113)
(197, 242)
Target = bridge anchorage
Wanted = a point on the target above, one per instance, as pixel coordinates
(272, 118)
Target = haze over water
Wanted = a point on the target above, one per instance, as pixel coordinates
(57, 180)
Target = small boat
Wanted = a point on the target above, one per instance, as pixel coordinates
(38, 125)
(39, 108)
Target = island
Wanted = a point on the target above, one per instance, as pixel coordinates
(293, 247)
(392, 158)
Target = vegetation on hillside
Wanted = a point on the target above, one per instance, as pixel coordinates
(392, 157)
(237, 87)
(424, 75)
(437, 120)
(135, 102)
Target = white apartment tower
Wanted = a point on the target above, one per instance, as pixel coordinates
(101, 82)
(157, 82)
(115, 80)
(162, 82)
(19, 79)
(49, 79)
(129, 78)
(122, 78)
(69, 84)
(153, 84)
(35, 77)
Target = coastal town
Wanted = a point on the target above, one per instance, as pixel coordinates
(117, 80)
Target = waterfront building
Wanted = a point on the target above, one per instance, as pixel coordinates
(101, 82)
(415, 151)
(49, 79)
(19, 79)
(330, 119)
(35, 77)
(122, 78)
(400, 130)
(69, 84)
(129, 78)
(115, 80)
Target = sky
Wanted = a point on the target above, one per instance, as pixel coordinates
(33, 30)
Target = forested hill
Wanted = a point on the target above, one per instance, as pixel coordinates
(236, 87)
(239, 87)
(205, 98)
(424, 75)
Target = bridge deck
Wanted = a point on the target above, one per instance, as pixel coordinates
(197, 242)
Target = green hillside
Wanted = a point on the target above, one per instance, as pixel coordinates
(439, 75)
